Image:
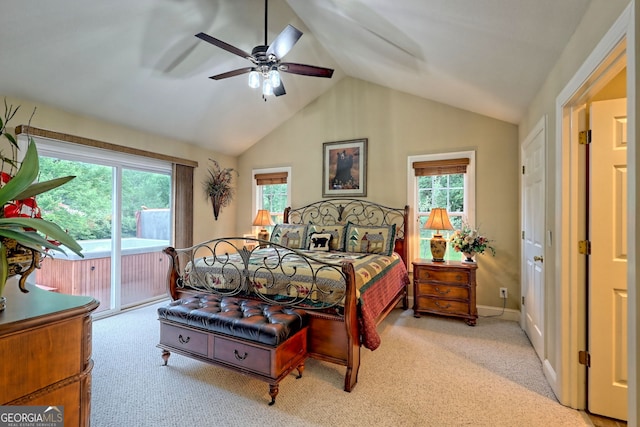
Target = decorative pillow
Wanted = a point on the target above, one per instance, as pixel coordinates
(293, 236)
(336, 231)
(319, 241)
(370, 239)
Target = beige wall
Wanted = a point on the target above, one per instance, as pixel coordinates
(399, 125)
(54, 119)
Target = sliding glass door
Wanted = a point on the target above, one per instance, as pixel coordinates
(118, 208)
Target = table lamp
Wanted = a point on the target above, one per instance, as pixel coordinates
(438, 220)
(263, 219)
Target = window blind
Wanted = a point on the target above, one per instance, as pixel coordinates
(271, 178)
(441, 167)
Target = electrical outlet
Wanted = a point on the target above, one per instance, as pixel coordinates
(503, 292)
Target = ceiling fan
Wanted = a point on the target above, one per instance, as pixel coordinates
(266, 60)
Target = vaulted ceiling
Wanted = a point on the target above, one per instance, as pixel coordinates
(138, 64)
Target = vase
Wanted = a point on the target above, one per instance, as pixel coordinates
(21, 262)
(468, 256)
(215, 202)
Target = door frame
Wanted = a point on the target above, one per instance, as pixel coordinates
(568, 381)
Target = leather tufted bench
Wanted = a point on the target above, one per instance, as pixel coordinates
(249, 336)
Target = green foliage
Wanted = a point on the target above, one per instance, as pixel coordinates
(34, 233)
(274, 198)
(84, 205)
(445, 191)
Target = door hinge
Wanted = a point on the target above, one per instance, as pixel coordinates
(522, 300)
(584, 137)
(584, 247)
(584, 358)
(522, 234)
(522, 169)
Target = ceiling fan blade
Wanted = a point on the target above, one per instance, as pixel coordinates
(222, 45)
(232, 73)
(305, 70)
(278, 91)
(284, 42)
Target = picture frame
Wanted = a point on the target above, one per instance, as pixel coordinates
(344, 168)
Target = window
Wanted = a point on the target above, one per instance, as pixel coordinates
(272, 191)
(440, 180)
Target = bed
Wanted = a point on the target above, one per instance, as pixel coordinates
(342, 260)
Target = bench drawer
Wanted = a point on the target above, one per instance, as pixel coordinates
(242, 355)
(184, 339)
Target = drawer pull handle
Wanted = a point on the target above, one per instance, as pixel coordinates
(237, 355)
(182, 340)
(446, 306)
(459, 277)
(442, 292)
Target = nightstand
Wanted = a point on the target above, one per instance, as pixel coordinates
(445, 288)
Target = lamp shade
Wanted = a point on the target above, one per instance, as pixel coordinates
(438, 220)
(263, 218)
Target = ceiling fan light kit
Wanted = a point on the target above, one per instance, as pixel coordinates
(266, 68)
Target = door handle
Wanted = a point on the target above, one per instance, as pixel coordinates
(538, 258)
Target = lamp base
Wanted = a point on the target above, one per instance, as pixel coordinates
(438, 248)
(263, 235)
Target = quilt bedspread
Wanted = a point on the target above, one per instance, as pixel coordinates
(298, 277)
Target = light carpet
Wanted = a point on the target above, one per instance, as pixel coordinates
(430, 371)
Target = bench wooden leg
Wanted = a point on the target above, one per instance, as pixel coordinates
(273, 392)
(300, 369)
(165, 356)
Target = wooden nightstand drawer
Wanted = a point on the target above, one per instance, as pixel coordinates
(242, 355)
(450, 276)
(442, 306)
(183, 338)
(443, 291)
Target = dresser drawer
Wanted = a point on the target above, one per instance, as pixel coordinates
(451, 276)
(445, 291)
(183, 338)
(242, 355)
(442, 306)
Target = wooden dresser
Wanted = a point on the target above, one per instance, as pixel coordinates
(445, 288)
(45, 348)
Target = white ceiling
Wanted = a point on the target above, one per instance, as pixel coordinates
(137, 63)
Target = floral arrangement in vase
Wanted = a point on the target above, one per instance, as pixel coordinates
(24, 235)
(470, 242)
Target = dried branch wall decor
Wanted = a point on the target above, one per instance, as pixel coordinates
(218, 186)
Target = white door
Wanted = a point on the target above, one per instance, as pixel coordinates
(533, 208)
(607, 311)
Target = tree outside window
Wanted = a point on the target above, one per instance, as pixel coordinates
(274, 199)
